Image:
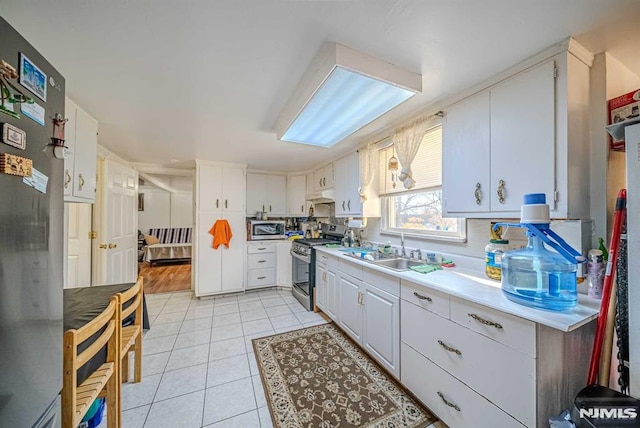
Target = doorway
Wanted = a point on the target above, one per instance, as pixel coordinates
(165, 214)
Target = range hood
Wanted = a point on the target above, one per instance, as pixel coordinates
(321, 196)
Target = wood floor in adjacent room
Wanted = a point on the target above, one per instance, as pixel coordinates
(165, 277)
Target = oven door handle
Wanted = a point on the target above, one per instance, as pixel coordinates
(305, 259)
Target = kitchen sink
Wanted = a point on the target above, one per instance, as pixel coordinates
(399, 264)
(376, 256)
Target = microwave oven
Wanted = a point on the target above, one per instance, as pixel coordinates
(266, 229)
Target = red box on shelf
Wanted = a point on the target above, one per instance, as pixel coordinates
(620, 109)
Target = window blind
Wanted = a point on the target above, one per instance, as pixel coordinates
(426, 167)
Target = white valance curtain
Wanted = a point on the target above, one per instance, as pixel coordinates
(368, 161)
(406, 140)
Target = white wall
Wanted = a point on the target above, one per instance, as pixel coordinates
(166, 209)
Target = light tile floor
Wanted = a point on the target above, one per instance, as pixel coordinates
(199, 369)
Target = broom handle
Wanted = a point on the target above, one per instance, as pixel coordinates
(618, 220)
(607, 346)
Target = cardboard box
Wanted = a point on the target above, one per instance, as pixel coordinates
(623, 108)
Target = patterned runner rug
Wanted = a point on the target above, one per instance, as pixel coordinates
(317, 377)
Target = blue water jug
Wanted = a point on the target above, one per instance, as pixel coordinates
(535, 276)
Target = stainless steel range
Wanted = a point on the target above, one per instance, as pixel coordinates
(304, 262)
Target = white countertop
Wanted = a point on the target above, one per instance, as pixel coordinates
(473, 286)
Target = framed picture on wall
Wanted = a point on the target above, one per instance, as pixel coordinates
(140, 201)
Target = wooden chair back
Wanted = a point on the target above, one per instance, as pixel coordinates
(104, 382)
(131, 303)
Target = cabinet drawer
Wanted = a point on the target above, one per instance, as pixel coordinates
(261, 261)
(382, 281)
(475, 360)
(426, 298)
(261, 277)
(433, 386)
(515, 332)
(327, 259)
(261, 248)
(351, 269)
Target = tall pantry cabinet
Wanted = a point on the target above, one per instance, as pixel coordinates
(220, 194)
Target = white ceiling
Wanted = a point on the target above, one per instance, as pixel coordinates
(206, 79)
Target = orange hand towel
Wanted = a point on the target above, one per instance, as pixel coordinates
(221, 232)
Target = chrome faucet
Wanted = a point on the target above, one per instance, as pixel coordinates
(404, 253)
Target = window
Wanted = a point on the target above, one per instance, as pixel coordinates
(418, 211)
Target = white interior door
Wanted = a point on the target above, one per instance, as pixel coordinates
(78, 246)
(118, 225)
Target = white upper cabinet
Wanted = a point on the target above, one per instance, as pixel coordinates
(220, 188)
(467, 155)
(346, 194)
(323, 177)
(266, 193)
(515, 138)
(81, 138)
(296, 191)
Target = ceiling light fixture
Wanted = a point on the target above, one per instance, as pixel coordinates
(342, 91)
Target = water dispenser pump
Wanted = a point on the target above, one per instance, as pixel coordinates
(535, 276)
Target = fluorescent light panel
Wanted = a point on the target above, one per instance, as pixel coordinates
(345, 102)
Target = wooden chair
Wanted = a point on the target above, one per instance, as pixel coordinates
(105, 381)
(132, 334)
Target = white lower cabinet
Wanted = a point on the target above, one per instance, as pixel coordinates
(284, 262)
(370, 314)
(261, 264)
(451, 400)
(476, 366)
(321, 286)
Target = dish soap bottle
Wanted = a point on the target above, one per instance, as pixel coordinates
(493, 253)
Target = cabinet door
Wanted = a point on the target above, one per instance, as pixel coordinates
(209, 186)
(352, 163)
(341, 190)
(321, 286)
(86, 146)
(332, 295)
(466, 156)
(277, 194)
(208, 262)
(350, 306)
(523, 137)
(256, 193)
(296, 190)
(318, 178)
(381, 327)
(233, 257)
(234, 189)
(284, 263)
(70, 141)
(328, 180)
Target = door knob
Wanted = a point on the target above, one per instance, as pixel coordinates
(113, 246)
(103, 246)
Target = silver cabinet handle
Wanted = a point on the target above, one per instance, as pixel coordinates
(302, 208)
(262, 277)
(269, 208)
(226, 205)
(262, 248)
(67, 178)
(343, 208)
(448, 403)
(217, 203)
(501, 191)
(485, 322)
(349, 204)
(478, 194)
(81, 178)
(262, 261)
(421, 297)
(360, 298)
(449, 348)
(320, 183)
(262, 208)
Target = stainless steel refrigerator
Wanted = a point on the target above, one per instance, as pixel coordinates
(31, 247)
